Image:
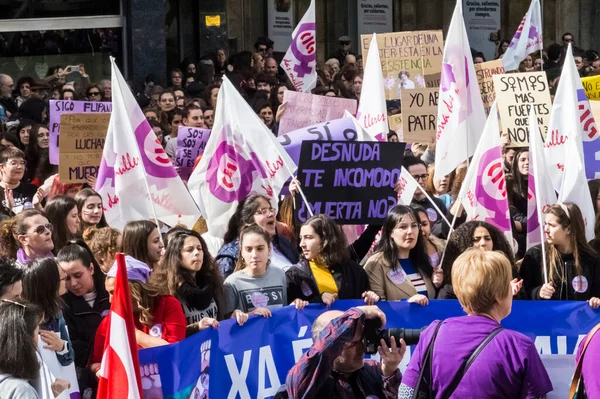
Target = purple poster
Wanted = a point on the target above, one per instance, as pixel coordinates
(191, 142)
(59, 107)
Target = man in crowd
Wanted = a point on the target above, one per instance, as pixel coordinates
(344, 50)
(271, 66)
(334, 367)
(11, 286)
(264, 45)
(6, 96)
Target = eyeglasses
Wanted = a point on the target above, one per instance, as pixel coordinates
(265, 211)
(421, 177)
(14, 164)
(41, 229)
(93, 93)
(568, 40)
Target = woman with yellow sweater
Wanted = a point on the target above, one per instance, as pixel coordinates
(325, 271)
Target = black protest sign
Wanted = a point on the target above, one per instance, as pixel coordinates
(351, 182)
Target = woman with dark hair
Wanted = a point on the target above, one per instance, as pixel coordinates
(326, 272)
(62, 212)
(220, 63)
(188, 272)
(400, 267)
(594, 186)
(23, 130)
(257, 209)
(434, 246)
(158, 319)
(95, 92)
(19, 365)
(166, 100)
(38, 156)
(160, 131)
(176, 79)
(502, 47)
(211, 94)
(91, 211)
(34, 109)
(26, 237)
(517, 190)
(571, 264)
(104, 242)
(142, 241)
(86, 304)
(480, 235)
(43, 285)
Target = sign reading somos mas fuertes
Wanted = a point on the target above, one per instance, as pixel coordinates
(362, 175)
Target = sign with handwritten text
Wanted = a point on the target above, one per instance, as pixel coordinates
(409, 60)
(59, 107)
(83, 136)
(591, 85)
(516, 93)
(419, 110)
(305, 109)
(485, 73)
(191, 142)
(395, 123)
(351, 182)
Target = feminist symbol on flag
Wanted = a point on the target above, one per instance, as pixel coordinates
(492, 189)
(303, 48)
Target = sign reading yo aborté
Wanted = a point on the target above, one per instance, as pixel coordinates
(351, 182)
(516, 94)
(419, 115)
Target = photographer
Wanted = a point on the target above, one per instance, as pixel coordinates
(334, 367)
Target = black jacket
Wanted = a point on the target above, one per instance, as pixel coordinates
(533, 276)
(360, 248)
(350, 278)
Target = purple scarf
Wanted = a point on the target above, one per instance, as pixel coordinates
(23, 259)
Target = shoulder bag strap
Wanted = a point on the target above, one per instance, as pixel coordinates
(577, 375)
(461, 372)
(426, 361)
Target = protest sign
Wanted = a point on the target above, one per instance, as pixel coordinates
(339, 129)
(591, 86)
(256, 368)
(433, 80)
(305, 109)
(351, 182)
(419, 110)
(83, 137)
(395, 122)
(516, 93)
(191, 142)
(59, 107)
(407, 58)
(484, 72)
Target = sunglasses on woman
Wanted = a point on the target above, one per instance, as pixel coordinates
(41, 229)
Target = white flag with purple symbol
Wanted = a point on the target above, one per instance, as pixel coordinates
(136, 179)
(300, 61)
(242, 157)
(483, 193)
(528, 38)
(372, 109)
(461, 116)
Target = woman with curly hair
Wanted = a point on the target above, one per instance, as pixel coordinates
(158, 319)
(480, 235)
(26, 237)
(400, 267)
(104, 242)
(189, 273)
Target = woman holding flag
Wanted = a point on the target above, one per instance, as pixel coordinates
(571, 270)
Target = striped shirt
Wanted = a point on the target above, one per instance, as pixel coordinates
(414, 276)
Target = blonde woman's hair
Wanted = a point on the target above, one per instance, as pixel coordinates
(480, 279)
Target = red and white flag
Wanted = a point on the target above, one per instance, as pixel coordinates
(120, 368)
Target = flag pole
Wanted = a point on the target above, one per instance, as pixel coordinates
(538, 205)
(435, 206)
(459, 200)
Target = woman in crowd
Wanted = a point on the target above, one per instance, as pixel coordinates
(265, 112)
(508, 367)
(188, 272)
(479, 235)
(91, 211)
(276, 98)
(517, 197)
(38, 156)
(158, 319)
(440, 188)
(400, 267)
(212, 92)
(220, 63)
(86, 304)
(572, 265)
(257, 209)
(326, 272)
(176, 79)
(434, 246)
(26, 237)
(594, 186)
(95, 92)
(62, 213)
(19, 331)
(16, 195)
(158, 129)
(44, 282)
(166, 100)
(502, 47)
(104, 242)
(23, 130)
(141, 240)
(256, 287)
(357, 86)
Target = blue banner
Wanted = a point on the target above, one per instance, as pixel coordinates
(252, 361)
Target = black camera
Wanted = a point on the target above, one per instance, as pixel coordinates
(373, 333)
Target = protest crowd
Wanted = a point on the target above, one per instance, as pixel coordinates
(217, 216)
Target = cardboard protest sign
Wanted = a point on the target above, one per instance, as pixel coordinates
(305, 109)
(433, 80)
(419, 110)
(59, 107)
(339, 129)
(485, 73)
(395, 122)
(83, 136)
(591, 86)
(191, 142)
(407, 59)
(516, 93)
(351, 182)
